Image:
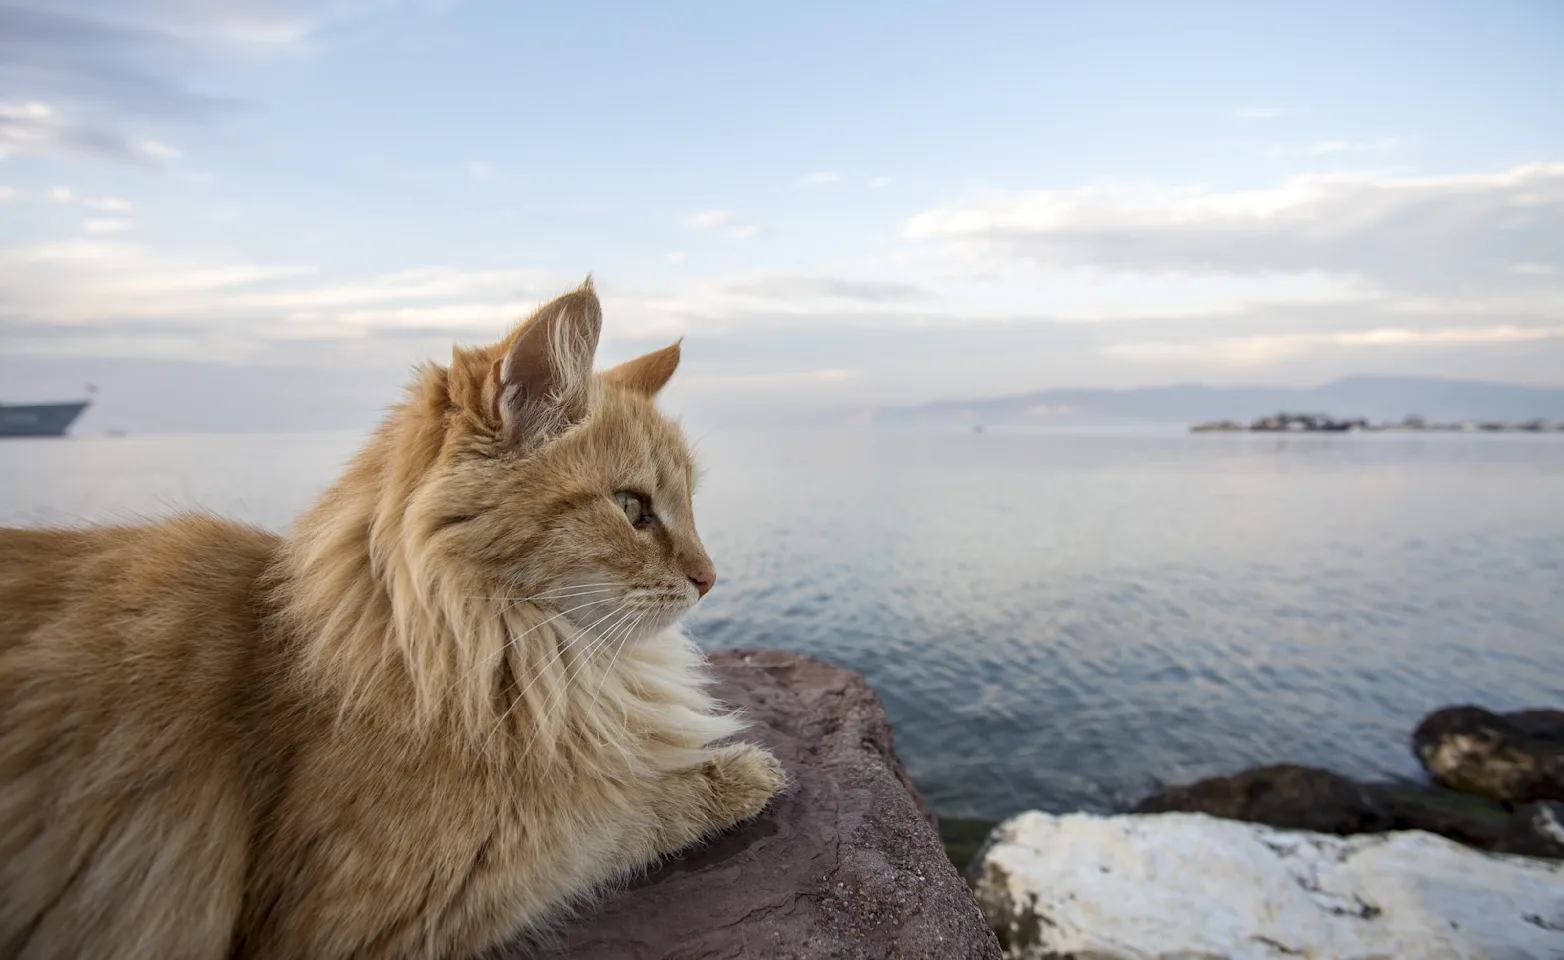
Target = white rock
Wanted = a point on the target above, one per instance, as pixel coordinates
(1166, 886)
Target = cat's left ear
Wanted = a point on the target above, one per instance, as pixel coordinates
(542, 383)
(649, 373)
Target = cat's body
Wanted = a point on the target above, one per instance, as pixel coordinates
(450, 702)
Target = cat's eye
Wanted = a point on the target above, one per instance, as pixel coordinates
(635, 508)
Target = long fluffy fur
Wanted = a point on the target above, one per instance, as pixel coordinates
(451, 702)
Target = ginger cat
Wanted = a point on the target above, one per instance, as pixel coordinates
(453, 701)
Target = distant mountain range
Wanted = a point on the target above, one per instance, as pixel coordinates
(1375, 398)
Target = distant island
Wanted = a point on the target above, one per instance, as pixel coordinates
(1453, 404)
(1320, 423)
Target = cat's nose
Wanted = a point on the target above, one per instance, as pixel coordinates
(704, 576)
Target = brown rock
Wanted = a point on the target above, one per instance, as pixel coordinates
(846, 864)
(1291, 797)
(1515, 758)
(1285, 796)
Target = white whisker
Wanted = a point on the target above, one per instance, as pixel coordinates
(559, 655)
(537, 675)
(615, 659)
(563, 593)
(596, 644)
(514, 640)
(618, 742)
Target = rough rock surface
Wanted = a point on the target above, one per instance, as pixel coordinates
(847, 864)
(1514, 757)
(1188, 885)
(1291, 797)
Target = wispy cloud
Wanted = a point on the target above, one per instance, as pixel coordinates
(726, 222)
(124, 57)
(880, 183)
(37, 128)
(1381, 146)
(93, 77)
(234, 27)
(1260, 350)
(1454, 236)
(1260, 113)
(158, 150)
(479, 171)
(93, 287)
(104, 204)
(84, 78)
(675, 257)
(1537, 269)
(711, 219)
(820, 178)
(100, 295)
(7, 193)
(106, 226)
(790, 288)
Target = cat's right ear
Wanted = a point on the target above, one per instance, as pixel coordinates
(541, 383)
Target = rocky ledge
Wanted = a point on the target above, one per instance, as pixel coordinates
(1321, 866)
(1158, 887)
(847, 864)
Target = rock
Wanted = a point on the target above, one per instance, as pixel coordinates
(846, 864)
(1286, 796)
(1475, 821)
(1540, 823)
(1291, 797)
(1516, 758)
(1158, 887)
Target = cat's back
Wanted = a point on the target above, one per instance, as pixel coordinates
(187, 574)
(39, 570)
(130, 658)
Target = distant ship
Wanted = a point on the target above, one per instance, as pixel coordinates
(39, 419)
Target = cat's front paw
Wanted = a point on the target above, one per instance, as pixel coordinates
(744, 778)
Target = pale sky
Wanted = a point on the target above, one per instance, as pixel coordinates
(836, 204)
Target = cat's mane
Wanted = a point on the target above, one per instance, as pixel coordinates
(378, 618)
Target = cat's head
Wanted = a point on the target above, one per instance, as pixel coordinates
(564, 487)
